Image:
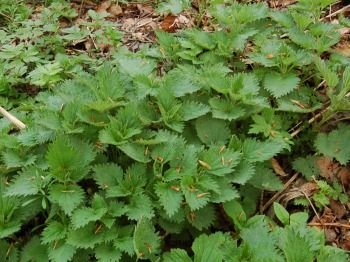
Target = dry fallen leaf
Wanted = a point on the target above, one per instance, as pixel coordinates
(102, 8)
(115, 10)
(330, 234)
(308, 189)
(344, 176)
(169, 23)
(343, 48)
(338, 208)
(327, 167)
(128, 24)
(346, 241)
(145, 9)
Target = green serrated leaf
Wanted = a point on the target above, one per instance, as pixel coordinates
(191, 110)
(212, 247)
(140, 207)
(26, 183)
(69, 159)
(332, 144)
(135, 151)
(225, 109)
(146, 240)
(306, 166)
(202, 218)
(61, 253)
(54, 231)
(107, 175)
(265, 179)
(280, 84)
(107, 253)
(34, 251)
(257, 151)
(219, 161)
(328, 75)
(212, 131)
(85, 215)
(176, 255)
(169, 197)
(67, 197)
(89, 236)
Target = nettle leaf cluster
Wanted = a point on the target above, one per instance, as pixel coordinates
(116, 163)
(39, 55)
(273, 243)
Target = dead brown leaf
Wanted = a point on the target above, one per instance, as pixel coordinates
(169, 23)
(330, 234)
(145, 9)
(308, 189)
(344, 176)
(184, 21)
(128, 24)
(115, 10)
(103, 6)
(338, 208)
(328, 168)
(346, 241)
(343, 48)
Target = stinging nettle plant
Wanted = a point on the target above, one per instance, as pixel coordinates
(119, 162)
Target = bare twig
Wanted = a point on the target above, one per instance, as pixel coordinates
(319, 85)
(312, 205)
(275, 196)
(341, 10)
(310, 121)
(328, 224)
(81, 7)
(14, 120)
(92, 38)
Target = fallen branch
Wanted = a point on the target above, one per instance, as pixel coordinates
(14, 120)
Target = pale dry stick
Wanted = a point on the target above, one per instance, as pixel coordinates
(310, 121)
(143, 24)
(275, 196)
(341, 10)
(314, 118)
(14, 120)
(92, 38)
(295, 126)
(319, 85)
(299, 123)
(328, 224)
(312, 205)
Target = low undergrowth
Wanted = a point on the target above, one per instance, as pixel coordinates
(164, 154)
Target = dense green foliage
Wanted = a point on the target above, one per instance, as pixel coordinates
(122, 160)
